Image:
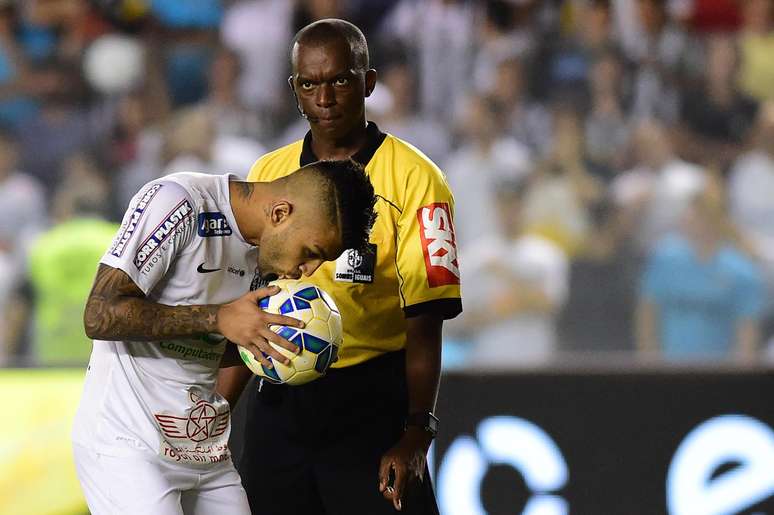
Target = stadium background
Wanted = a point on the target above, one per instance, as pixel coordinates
(596, 148)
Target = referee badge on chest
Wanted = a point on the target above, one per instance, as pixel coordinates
(356, 267)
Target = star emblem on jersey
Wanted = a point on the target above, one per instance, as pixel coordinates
(202, 422)
(203, 270)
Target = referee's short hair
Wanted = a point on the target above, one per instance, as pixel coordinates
(333, 29)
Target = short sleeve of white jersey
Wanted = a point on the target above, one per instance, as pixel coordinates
(157, 226)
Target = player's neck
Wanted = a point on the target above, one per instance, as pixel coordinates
(245, 200)
(341, 148)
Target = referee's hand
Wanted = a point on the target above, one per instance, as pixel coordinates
(406, 461)
(246, 324)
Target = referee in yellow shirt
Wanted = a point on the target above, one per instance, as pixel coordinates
(355, 441)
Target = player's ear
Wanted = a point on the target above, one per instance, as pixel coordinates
(280, 212)
(370, 82)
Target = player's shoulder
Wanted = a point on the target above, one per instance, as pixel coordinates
(277, 163)
(189, 185)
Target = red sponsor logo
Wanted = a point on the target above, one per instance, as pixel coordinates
(438, 244)
(202, 422)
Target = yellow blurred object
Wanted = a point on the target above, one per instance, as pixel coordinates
(37, 475)
(756, 71)
(132, 10)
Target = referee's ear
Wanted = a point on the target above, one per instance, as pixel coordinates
(370, 82)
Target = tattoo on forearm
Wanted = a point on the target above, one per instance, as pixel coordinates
(117, 309)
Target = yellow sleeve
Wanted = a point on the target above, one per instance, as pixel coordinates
(428, 268)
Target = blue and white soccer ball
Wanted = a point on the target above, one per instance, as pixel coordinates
(319, 340)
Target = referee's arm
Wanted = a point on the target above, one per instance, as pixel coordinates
(232, 381)
(423, 371)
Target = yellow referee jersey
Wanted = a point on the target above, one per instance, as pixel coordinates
(415, 269)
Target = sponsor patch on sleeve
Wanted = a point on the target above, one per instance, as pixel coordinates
(130, 224)
(212, 224)
(439, 245)
(168, 226)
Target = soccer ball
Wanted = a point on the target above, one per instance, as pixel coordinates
(319, 340)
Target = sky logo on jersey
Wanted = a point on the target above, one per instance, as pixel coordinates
(439, 244)
(127, 229)
(162, 231)
(213, 224)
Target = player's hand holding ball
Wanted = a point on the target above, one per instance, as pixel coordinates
(318, 339)
(247, 325)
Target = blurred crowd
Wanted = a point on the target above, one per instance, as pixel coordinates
(612, 160)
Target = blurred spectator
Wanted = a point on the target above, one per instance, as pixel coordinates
(16, 87)
(73, 24)
(486, 157)
(716, 117)
(402, 120)
(756, 41)
(63, 261)
(660, 49)
(599, 313)
(751, 192)
(259, 32)
(556, 201)
(183, 14)
(701, 296)
(606, 125)
(232, 117)
(65, 124)
(710, 16)
(23, 210)
(519, 285)
(567, 57)
(308, 11)
(136, 150)
(237, 128)
(442, 36)
(528, 121)
(188, 142)
(654, 194)
(188, 35)
(8, 336)
(504, 33)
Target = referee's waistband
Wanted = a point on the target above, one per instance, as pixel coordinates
(380, 361)
(388, 363)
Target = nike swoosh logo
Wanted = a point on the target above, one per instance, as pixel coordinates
(203, 270)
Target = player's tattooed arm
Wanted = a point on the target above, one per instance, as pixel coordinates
(118, 310)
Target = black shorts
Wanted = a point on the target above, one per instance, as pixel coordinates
(315, 449)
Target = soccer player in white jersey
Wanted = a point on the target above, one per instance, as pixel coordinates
(170, 301)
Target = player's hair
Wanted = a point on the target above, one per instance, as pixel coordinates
(348, 197)
(330, 30)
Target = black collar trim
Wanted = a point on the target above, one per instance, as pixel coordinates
(374, 139)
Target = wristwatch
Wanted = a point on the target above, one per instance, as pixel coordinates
(426, 420)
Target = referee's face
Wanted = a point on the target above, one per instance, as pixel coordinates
(330, 91)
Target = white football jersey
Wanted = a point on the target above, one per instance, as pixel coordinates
(180, 244)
